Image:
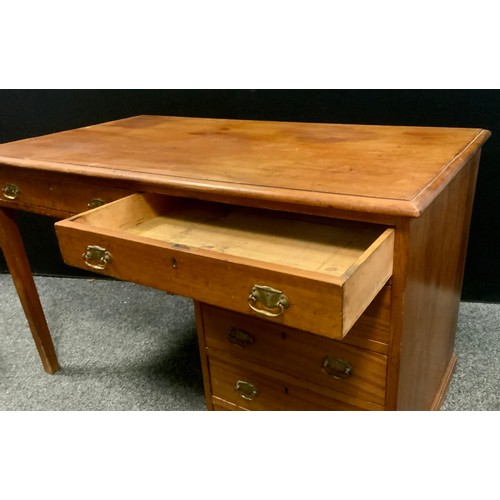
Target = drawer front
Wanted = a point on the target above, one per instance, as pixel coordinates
(346, 371)
(249, 389)
(233, 259)
(53, 195)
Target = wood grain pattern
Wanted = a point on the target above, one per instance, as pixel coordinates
(429, 283)
(366, 278)
(323, 246)
(13, 249)
(297, 353)
(273, 393)
(372, 330)
(445, 382)
(376, 169)
(55, 195)
(417, 181)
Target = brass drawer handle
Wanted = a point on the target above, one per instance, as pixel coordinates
(336, 367)
(11, 191)
(246, 390)
(96, 202)
(241, 338)
(97, 257)
(267, 301)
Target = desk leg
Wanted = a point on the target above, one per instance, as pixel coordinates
(13, 249)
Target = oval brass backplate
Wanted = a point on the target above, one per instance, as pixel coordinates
(239, 337)
(336, 367)
(246, 390)
(97, 257)
(11, 191)
(267, 301)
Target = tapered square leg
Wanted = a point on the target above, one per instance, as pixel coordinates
(13, 249)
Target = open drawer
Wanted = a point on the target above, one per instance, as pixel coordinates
(314, 274)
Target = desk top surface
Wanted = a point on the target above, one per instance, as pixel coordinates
(382, 169)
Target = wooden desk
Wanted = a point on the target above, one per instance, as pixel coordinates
(325, 261)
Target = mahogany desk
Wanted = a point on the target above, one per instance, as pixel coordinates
(325, 261)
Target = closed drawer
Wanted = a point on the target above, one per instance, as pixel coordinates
(314, 274)
(53, 195)
(235, 387)
(347, 372)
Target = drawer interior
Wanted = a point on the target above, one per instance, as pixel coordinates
(327, 246)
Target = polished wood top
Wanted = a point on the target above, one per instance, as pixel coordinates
(389, 170)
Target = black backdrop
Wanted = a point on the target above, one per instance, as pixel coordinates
(27, 113)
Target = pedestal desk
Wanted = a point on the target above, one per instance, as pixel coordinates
(325, 261)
